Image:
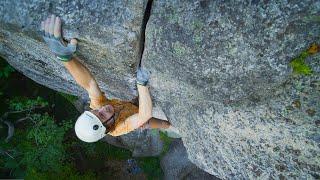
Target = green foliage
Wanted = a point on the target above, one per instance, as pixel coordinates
(39, 146)
(166, 142)
(299, 66)
(46, 139)
(101, 149)
(68, 173)
(151, 166)
(23, 103)
(6, 71)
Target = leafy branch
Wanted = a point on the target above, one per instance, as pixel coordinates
(6, 71)
(18, 107)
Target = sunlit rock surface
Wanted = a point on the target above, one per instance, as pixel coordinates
(221, 72)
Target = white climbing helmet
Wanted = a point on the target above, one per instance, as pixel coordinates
(89, 128)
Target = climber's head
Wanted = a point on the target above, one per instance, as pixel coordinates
(92, 125)
(105, 113)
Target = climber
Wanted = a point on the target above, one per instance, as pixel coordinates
(113, 117)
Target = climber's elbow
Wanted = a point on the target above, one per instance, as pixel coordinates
(143, 118)
(92, 87)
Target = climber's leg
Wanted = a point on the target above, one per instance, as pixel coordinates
(154, 123)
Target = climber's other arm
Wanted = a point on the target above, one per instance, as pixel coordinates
(145, 107)
(52, 35)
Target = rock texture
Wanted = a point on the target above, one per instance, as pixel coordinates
(176, 165)
(220, 71)
(108, 32)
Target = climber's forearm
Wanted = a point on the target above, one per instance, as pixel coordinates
(83, 77)
(145, 104)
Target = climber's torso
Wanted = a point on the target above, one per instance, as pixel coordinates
(123, 110)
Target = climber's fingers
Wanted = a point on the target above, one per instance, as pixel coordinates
(57, 28)
(51, 26)
(46, 26)
(73, 42)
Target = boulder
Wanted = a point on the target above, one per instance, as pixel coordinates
(221, 73)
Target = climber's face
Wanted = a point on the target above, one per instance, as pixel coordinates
(105, 113)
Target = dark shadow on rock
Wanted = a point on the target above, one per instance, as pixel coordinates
(176, 165)
(141, 143)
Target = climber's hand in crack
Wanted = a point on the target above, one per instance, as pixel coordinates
(143, 76)
(51, 29)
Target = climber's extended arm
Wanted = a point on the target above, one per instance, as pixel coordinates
(51, 28)
(145, 107)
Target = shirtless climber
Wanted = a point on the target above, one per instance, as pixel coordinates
(111, 117)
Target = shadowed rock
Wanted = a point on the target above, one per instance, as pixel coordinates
(176, 165)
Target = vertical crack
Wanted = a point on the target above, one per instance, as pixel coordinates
(145, 20)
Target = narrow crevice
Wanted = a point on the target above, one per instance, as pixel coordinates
(145, 20)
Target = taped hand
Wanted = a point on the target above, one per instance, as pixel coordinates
(52, 36)
(143, 76)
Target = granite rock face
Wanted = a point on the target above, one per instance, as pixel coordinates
(220, 72)
(108, 34)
